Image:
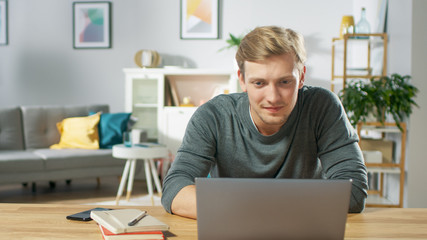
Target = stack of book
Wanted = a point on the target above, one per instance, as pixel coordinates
(129, 224)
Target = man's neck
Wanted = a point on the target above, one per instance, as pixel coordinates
(267, 131)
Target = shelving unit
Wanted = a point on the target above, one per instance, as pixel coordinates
(347, 38)
(376, 197)
(155, 97)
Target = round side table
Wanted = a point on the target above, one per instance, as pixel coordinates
(144, 152)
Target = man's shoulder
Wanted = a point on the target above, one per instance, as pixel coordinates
(223, 105)
(227, 101)
(318, 93)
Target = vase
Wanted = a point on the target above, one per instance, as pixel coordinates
(347, 25)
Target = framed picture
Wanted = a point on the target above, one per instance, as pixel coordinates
(3, 22)
(199, 19)
(92, 24)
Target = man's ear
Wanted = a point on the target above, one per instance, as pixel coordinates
(302, 78)
(241, 80)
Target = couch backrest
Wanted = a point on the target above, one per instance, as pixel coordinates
(11, 137)
(39, 122)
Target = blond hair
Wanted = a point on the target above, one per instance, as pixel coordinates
(264, 42)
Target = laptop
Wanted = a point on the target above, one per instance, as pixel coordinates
(236, 208)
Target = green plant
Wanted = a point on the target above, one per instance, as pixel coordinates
(392, 95)
(233, 42)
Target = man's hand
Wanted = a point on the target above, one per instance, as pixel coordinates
(184, 203)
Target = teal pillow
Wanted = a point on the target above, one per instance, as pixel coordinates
(111, 127)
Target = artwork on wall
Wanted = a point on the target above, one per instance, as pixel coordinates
(92, 24)
(199, 19)
(3, 22)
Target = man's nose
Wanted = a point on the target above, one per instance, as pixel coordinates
(273, 94)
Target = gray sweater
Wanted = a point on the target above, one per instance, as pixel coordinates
(317, 141)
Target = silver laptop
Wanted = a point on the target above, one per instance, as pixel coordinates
(236, 208)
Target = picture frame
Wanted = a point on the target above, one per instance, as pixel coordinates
(3, 23)
(91, 25)
(199, 19)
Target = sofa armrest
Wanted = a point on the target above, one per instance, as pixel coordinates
(11, 133)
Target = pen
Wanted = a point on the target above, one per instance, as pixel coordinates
(137, 218)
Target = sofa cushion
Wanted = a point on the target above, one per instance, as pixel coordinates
(78, 132)
(11, 129)
(39, 122)
(111, 128)
(15, 161)
(56, 159)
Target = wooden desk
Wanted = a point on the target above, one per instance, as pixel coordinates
(47, 221)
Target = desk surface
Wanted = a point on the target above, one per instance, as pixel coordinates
(47, 221)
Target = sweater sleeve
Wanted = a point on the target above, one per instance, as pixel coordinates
(194, 158)
(338, 148)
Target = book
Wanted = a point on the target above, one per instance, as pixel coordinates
(174, 92)
(116, 221)
(150, 235)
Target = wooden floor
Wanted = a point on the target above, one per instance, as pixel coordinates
(80, 191)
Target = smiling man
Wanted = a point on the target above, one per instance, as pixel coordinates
(276, 128)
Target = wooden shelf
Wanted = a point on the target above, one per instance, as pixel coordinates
(382, 169)
(376, 199)
(373, 38)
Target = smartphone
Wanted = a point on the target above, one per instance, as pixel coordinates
(85, 215)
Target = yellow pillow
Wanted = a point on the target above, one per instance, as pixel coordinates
(78, 132)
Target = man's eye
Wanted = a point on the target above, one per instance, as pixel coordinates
(258, 83)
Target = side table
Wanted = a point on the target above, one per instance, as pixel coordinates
(133, 153)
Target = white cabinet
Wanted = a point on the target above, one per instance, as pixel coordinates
(176, 119)
(156, 98)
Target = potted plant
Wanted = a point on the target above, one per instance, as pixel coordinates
(233, 42)
(389, 95)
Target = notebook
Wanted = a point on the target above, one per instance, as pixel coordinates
(116, 221)
(148, 235)
(236, 208)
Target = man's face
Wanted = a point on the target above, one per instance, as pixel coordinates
(272, 86)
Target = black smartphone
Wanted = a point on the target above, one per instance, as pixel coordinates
(85, 215)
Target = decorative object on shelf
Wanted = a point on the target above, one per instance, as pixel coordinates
(386, 147)
(363, 25)
(92, 25)
(347, 25)
(147, 59)
(372, 156)
(199, 19)
(392, 95)
(186, 102)
(3, 22)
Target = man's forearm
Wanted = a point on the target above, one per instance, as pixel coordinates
(184, 203)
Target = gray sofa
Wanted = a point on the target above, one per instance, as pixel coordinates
(25, 136)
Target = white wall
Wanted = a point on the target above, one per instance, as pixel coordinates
(399, 61)
(40, 66)
(417, 164)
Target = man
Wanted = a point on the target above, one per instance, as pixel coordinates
(276, 128)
